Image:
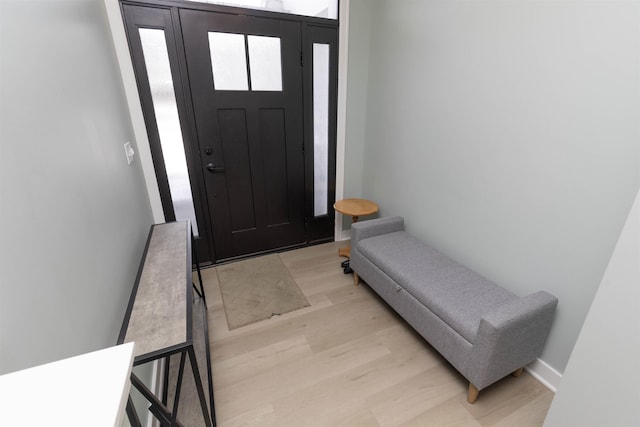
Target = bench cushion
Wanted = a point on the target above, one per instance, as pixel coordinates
(456, 294)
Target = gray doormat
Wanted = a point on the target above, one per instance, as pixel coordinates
(257, 289)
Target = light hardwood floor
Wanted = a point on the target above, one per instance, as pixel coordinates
(347, 360)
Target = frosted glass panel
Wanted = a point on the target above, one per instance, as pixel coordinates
(228, 61)
(156, 58)
(320, 128)
(265, 63)
(319, 8)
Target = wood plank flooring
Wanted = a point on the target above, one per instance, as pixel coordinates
(347, 360)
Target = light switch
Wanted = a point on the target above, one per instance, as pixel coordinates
(129, 152)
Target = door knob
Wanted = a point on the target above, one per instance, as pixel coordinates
(213, 169)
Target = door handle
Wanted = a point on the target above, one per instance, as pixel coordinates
(213, 169)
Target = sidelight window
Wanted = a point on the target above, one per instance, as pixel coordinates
(156, 58)
(320, 128)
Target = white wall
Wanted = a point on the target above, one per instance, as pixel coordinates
(73, 215)
(600, 384)
(506, 134)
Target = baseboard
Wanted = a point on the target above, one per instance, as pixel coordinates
(343, 235)
(544, 373)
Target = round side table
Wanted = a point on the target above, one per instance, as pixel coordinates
(355, 208)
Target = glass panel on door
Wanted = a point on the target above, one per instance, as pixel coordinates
(228, 61)
(265, 63)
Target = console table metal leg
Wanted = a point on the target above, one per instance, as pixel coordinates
(197, 290)
(176, 398)
(157, 408)
(199, 388)
(195, 257)
(132, 414)
(165, 380)
(212, 408)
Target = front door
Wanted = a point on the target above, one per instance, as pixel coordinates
(240, 109)
(246, 81)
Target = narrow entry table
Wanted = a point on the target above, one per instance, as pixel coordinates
(354, 208)
(166, 322)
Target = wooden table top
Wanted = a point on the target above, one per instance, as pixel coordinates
(355, 207)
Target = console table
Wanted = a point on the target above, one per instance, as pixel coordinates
(167, 321)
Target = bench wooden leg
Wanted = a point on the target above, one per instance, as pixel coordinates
(473, 394)
(356, 279)
(517, 372)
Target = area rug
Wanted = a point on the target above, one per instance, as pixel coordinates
(257, 289)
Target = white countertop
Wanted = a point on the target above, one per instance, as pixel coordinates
(86, 390)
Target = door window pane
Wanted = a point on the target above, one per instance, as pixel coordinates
(320, 128)
(228, 61)
(156, 58)
(265, 63)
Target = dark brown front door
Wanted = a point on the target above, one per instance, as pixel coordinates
(246, 86)
(250, 99)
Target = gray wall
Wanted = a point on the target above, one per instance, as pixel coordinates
(600, 385)
(357, 87)
(73, 215)
(506, 134)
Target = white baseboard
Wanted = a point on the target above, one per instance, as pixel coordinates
(343, 235)
(544, 373)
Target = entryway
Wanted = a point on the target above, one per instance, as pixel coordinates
(240, 108)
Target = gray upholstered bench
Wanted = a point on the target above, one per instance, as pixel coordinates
(483, 330)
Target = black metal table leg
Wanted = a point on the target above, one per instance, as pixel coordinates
(195, 256)
(132, 414)
(176, 398)
(199, 388)
(157, 408)
(165, 380)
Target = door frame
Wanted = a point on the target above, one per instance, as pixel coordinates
(318, 229)
(123, 58)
